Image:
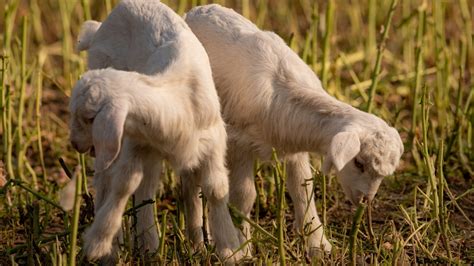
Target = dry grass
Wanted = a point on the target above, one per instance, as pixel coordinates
(413, 69)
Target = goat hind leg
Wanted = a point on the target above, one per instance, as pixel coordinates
(147, 233)
(242, 192)
(190, 190)
(215, 187)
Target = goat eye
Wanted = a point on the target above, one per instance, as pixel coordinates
(359, 165)
(88, 120)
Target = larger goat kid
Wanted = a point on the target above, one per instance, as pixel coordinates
(133, 121)
(149, 38)
(271, 98)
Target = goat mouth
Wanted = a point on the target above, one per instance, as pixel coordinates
(92, 151)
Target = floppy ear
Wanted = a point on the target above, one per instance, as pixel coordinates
(107, 131)
(86, 34)
(344, 146)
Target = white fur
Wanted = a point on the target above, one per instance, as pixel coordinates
(168, 111)
(133, 121)
(271, 98)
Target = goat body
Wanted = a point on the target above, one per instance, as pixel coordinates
(169, 110)
(271, 98)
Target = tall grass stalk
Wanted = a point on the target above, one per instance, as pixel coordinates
(443, 218)
(370, 44)
(75, 215)
(279, 176)
(21, 100)
(108, 6)
(9, 21)
(380, 51)
(39, 90)
(3, 106)
(261, 13)
(36, 21)
(8, 133)
(354, 232)
(314, 35)
(407, 26)
(35, 193)
(327, 42)
(433, 186)
(82, 160)
(468, 32)
(415, 229)
(418, 81)
(65, 8)
(436, 185)
(246, 8)
(441, 57)
(163, 236)
(86, 9)
(261, 230)
(324, 179)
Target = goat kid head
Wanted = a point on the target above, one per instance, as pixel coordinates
(97, 119)
(362, 160)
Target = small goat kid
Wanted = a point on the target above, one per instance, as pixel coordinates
(182, 125)
(133, 121)
(271, 98)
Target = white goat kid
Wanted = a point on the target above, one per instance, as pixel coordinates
(148, 37)
(271, 98)
(133, 121)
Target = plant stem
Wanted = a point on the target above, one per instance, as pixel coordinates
(354, 231)
(21, 101)
(418, 81)
(163, 237)
(39, 89)
(279, 175)
(86, 7)
(327, 42)
(378, 61)
(75, 219)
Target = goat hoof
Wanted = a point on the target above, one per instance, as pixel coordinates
(320, 251)
(230, 257)
(96, 247)
(247, 249)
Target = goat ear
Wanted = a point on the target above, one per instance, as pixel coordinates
(344, 146)
(86, 34)
(107, 132)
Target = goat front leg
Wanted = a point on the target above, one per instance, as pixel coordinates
(300, 187)
(124, 177)
(147, 232)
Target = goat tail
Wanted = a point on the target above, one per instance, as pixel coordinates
(86, 35)
(67, 194)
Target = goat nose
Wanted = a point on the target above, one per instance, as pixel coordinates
(357, 197)
(74, 145)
